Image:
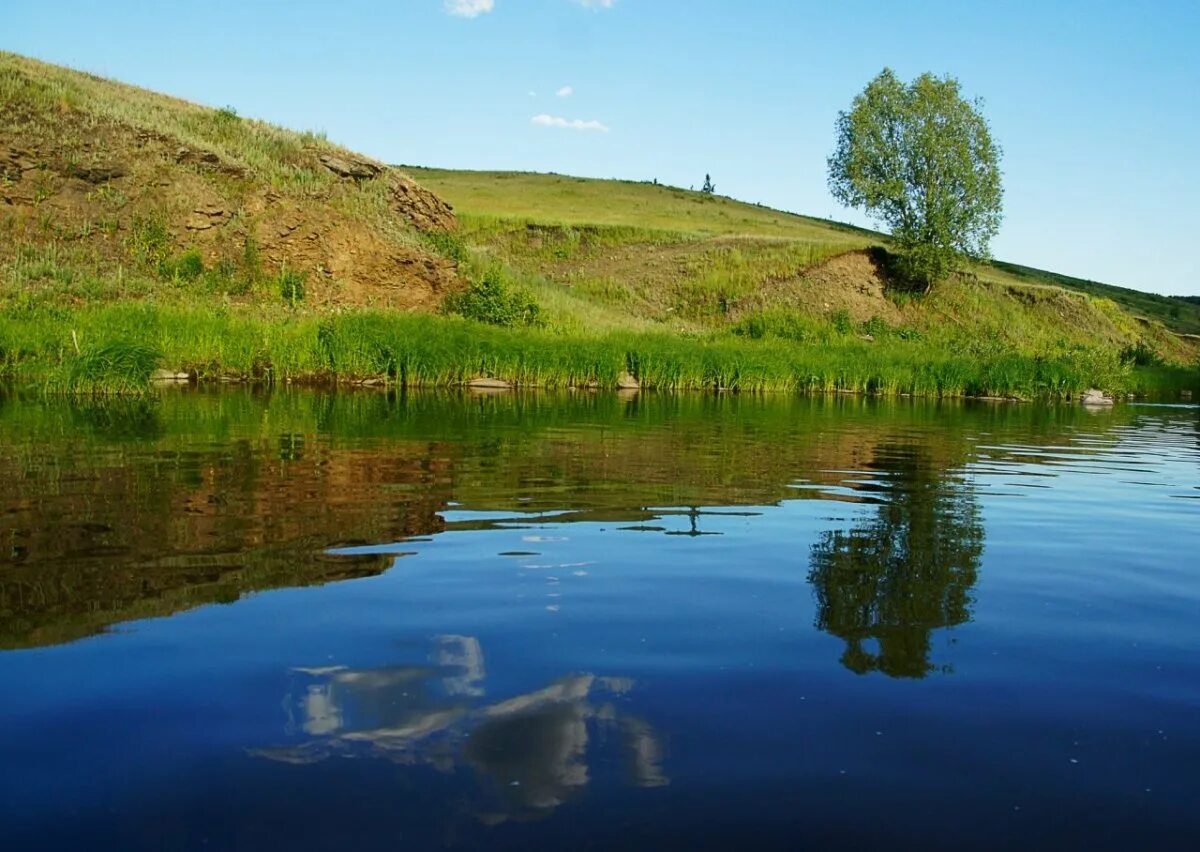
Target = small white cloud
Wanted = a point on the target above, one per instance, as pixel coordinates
(533, 94)
(565, 92)
(544, 120)
(596, 4)
(469, 8)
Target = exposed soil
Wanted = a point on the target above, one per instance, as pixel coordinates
(854, 282)
(83, 183)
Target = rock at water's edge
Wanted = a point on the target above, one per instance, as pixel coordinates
(486, 383)
(1094, 396)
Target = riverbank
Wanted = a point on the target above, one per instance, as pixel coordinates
(115, 349)
(142, 233)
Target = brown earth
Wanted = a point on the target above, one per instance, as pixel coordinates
(854, 282)
(83, 183)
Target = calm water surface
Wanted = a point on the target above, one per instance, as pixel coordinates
(302, 621)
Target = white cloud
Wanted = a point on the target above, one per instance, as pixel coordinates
(596, 4)
(544, 120)
(565, 92)
(469, 8)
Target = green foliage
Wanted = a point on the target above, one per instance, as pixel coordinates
(780, 324)
(448, 245)
(494, 299)
(1141, 355)
(876, 327)
(123, 343)
(251, 260)
(291, 286)
(186, 267)
(117, 366)
(921, 160)
(148, 241)
(841, 322)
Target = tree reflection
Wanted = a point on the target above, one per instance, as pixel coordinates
(887, 583)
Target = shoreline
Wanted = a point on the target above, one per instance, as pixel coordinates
(117, 349)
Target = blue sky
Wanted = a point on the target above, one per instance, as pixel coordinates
(1097, 104)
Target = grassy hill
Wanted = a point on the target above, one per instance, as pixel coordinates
(1180, 314)
(606, 253)
(490, 198)
(141, 233)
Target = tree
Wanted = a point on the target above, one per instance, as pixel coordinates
(920, 159)
(709, 187)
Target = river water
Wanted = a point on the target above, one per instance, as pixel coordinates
(360, 621)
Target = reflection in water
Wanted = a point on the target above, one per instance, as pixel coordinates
(892, 579)
(532, 748)
(223, 494)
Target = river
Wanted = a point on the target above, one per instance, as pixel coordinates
(239, 620)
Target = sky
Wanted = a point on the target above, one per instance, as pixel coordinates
(1095, 104)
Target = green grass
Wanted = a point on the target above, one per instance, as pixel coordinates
(563, 200)
(557, 225)
(684, 289)
(35, 90)
(120, 344)
(1180, 313)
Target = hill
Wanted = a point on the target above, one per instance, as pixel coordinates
(95, 175)
(143, 233)
(610, 253)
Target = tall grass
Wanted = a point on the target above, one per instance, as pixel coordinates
(120, 344)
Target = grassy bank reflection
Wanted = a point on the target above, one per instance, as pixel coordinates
(124, 510)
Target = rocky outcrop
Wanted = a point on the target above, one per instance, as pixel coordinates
(426, 211)
(348, 166)
(417, 205)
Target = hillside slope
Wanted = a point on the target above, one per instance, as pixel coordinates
(95, 176)
(611, 253)
(142, 235)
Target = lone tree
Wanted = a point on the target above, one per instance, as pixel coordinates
(920, 159)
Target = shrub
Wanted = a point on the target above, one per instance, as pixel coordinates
(291, 286)
(494, 299)
(774, 322)
(148, 240)
(447, 245)
(184, 267)
(876, 326)
(117, 367)
(251, 260)
(1141, 355)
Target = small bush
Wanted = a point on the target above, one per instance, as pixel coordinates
(876, 326)
(226, 278)
(448, 245)
(116, 367)
(782, 324)
(842, 323)
(291, 286)
(148, 240)
(184, 267)
(251, 260)
(496, 300)
(1141, 355)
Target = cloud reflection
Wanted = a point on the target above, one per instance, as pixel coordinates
(531, 750)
